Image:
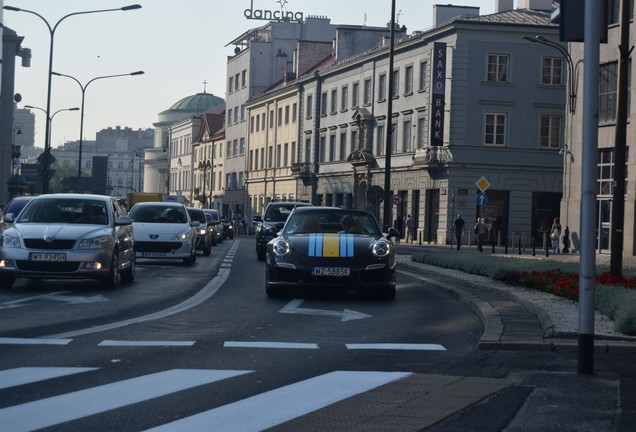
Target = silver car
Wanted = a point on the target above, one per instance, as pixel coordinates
(68, 236)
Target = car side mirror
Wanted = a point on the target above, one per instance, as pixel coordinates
(393, 232)
(195, 224)
(123, 220)
(257, 219)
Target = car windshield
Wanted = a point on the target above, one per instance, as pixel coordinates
(16, 205)
(63, 210)
(157, 213)
(278, 212)
(197, 215)
(332, 221)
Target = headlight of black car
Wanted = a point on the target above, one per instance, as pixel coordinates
(381, 248)
(281, 248)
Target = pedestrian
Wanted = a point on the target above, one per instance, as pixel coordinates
(398, 224)
(458, 228)
(555, 235)
(410, 229)
(481, 230)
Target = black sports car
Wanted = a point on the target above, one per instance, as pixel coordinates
(325, 248)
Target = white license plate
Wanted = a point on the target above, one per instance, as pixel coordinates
(331, 271)
(47, 256)
(154, 254)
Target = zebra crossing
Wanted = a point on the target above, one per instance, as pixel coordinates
(255, 413)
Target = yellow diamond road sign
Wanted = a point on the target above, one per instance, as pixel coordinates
(482, 184)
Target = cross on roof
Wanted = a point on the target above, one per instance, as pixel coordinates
(205, 83)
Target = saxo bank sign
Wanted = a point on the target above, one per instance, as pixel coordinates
(276, 15)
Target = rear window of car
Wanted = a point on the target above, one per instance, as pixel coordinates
(214, 214)
(279, 212)
(197, 215)
(157, 213)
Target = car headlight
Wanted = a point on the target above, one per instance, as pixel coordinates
(281, 248)
(202, 231)
(381, 248)
(9, 241)
(94, 243)
(182, 235)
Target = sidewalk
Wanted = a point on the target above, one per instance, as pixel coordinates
(509, 322)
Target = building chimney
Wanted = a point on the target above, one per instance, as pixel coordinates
(503, 5)
(545, 5)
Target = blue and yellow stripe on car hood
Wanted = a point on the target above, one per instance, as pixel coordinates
(330, 245)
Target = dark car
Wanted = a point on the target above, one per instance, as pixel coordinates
(206, 233)
(68, 236)
(216, 221)
(326, 248)
(14, 207)
(276, 214)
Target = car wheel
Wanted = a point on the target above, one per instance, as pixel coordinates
(7, 282)
(128, 275)
(112, 281)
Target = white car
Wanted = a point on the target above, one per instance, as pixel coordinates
(164, 230)
(68, 236)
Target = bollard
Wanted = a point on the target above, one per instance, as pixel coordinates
(493, 246)
(533, 246)
(519, 245)
(547, 245)
(506, 245)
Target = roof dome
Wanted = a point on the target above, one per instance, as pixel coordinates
(197, 102)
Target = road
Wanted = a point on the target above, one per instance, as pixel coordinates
(203, 348)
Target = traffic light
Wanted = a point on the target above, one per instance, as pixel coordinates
(570, 16)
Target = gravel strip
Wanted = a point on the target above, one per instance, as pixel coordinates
(563, 313)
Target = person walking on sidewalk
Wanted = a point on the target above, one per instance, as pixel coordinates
(481, 230)
(555, 235)
(458, 229)
(410, 229)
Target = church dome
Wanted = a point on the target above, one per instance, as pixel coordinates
(198, 102)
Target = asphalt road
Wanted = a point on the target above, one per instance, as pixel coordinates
(187, 340)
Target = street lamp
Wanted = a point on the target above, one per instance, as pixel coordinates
(46, 159)
(83, 88)
(50, 119)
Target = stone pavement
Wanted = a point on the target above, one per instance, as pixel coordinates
(550, 397)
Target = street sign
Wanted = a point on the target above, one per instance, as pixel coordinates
(481, 199)
(482, 184)
(396, 199)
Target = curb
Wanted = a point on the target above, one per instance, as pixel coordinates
(553, 340)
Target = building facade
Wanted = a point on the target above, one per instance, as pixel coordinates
(471, 101)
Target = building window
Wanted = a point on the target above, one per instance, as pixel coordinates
(307, 150)
(236, 82)
(607, 92)
(280, 116)
(258, 122)
(332, 148)
(343, 145)
(236, 114)
(293, 152)
(323, 104)
(286, 114)
(278, 156)
(396, 83)
(270, 157)
(422, 80)
(310, 106)
(367, 92)
(322, 149)
(230, 85)
(354, 140)
(242, 146)
(344, 98)
(286, 155)
(229, 117)
(243, 78)
(605, 171)
(228, 150)
(294, 112)
(235, 148)
(382, 87)
(355, 95)
(334, 101)
(552, 71)
(394, 134)
(550, 131)
(495, 131)
(408, 80)
(379, 147)
(243, 112)
(497, 68)
(420, 133)
(406, 136)
(271, 119)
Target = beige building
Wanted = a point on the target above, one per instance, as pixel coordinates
(272, 148)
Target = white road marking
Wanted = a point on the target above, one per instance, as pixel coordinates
(280, 405)
(59, 296)
(144, 343)
(58, 409)
(283, 345)
(35, 341)
(345, 315)
(27, 375)
(394, 346)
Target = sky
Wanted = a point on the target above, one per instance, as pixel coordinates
(178, 44)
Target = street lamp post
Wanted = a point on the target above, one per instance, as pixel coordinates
(50, 119)
(83, 88)
(46, 159)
